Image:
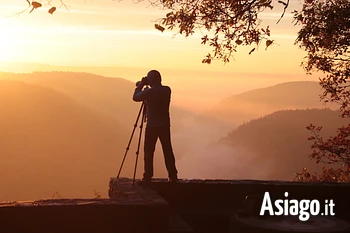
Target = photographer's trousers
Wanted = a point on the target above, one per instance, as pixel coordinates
(151, 136)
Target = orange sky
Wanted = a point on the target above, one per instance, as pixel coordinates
(107, 32)
(114, 33)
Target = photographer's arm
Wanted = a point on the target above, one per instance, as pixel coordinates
(139, 94)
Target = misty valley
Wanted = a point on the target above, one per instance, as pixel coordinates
(65, 133)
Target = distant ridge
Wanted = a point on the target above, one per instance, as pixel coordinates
(108, 95)
(246, 106)
(289, 93)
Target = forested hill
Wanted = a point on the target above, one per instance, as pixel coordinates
(50, 143)
(277, 143)
(252, 104)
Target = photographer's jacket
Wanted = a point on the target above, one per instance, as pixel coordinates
(157, 101)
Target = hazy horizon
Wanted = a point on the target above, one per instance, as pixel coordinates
(58, 125)
(194, 90)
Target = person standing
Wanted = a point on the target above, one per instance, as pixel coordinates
(157, 99)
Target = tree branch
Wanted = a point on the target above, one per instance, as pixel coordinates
(284, 9)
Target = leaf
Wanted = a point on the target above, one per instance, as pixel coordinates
(268, 43)
(206, 60)
(239, 42)
(267, 30)
(52, 10)
(204, 39)
(251, 51)
(36, 5)
(158, 27)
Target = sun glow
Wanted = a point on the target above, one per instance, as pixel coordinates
(8, 41)
(111, 33)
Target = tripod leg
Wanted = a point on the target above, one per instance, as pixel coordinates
(138, 146)
(132, 134)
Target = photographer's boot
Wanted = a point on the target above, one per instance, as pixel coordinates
(173, 179)
(145, 182)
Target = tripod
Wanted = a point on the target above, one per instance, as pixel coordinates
(143, 109)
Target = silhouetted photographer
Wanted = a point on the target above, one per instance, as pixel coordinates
(157, 99)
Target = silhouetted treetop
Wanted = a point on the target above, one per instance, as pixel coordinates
(225, 24)
(325, 35)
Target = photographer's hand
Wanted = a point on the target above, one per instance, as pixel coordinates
(139, 94)
(144, 81)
